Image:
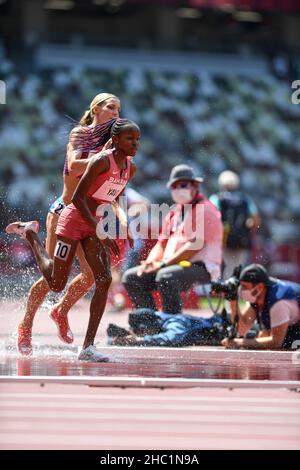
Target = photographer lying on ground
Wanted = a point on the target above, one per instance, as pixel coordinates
(152, 328)
(275, 304)
(148, 327)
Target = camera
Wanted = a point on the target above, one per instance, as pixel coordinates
(229, 287)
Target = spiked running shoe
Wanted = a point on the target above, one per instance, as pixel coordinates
(61, 321)
(91, 354)
(24, 340)
(20, 228)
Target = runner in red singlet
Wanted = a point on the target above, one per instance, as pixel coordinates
(105, 178)
(85, 139)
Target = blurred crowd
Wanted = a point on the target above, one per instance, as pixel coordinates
(211, 122)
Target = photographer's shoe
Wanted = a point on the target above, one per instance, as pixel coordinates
(20, 228)
(90, 354)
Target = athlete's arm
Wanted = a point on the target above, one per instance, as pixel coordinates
(97, 164)
(119, 211)
(76, 164)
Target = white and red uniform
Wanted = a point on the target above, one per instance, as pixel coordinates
(105, 189)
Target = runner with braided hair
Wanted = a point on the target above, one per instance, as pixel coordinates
(86, 139)
(104, 179)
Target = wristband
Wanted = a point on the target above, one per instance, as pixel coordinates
(162, 265)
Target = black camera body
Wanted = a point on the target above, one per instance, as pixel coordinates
(229, 287)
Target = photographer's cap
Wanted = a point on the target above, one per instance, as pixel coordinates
(255, 273)
(183, 172)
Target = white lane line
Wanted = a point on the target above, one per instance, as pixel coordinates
(59, 420)
(232, 407)
(84, 414)
(198, 441)
(121, 381)
(169, 399)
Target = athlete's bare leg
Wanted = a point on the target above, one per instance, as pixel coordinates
(78, 287)
(55, 271)
(36, 296)
(40, 288)
(98, 258)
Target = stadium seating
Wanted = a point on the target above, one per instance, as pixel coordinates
(211, 121)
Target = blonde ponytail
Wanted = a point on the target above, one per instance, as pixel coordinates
(88, 116)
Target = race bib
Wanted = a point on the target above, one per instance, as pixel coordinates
(109, 191)
(57, 206)
(62, 250)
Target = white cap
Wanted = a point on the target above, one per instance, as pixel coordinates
(228, 180)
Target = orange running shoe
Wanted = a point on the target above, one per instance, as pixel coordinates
(61, 321)
(24, 340)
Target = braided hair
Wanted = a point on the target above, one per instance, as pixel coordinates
(86, 139)
(121, 125)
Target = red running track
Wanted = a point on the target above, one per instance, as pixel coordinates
(81, 417)
(186, 413)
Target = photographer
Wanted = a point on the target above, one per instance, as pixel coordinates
(153, 328)
(273, 303)
(185, 236)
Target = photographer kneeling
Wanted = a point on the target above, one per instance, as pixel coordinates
(273, 303)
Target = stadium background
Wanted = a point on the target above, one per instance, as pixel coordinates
(209, 82)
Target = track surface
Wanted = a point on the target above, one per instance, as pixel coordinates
(208, 398)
